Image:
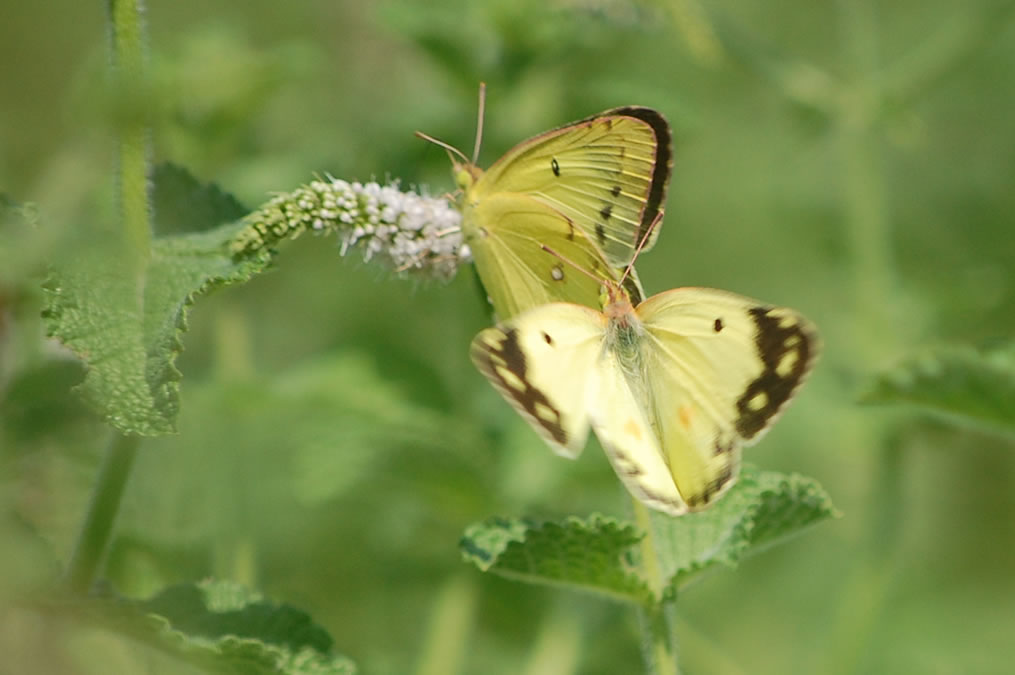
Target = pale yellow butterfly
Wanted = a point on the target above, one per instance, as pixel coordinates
(590, 190)
(673, 387)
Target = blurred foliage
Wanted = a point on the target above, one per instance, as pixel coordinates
(976, 387)
(851, 160)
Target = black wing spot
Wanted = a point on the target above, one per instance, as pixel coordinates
(721, 447)
(606, 211)
(714, 487)
(507, 353)
(555, 166)
(718, 325)
(601, 233)
(547, 338)
(615, 191)
(774, 340)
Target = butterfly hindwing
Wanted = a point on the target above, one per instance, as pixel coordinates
(518, 273)
(629, 439)
(541, 362)
(607, 174)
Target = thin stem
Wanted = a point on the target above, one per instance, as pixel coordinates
(127, 65)
(658, 621)
(446, 636)
(558, 646)
(93, 540)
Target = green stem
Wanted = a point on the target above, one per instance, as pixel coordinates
(446, 636)
(131, 103)
(558, 646)
(93, 540)
(658, 621)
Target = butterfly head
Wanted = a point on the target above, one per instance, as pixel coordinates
(615, 300)
(466, 174)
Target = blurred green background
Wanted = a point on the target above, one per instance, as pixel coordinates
(854, 160)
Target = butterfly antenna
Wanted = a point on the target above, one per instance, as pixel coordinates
(451, 150)
(479, 122)
(641, 245)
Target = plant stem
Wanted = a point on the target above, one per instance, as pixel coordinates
(446, 636)
(132, 101)
(127, 65)
(90, 549)
(658, 621)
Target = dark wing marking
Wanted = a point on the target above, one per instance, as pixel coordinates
(787, 346)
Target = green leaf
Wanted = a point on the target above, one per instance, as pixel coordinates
(591, 555)
(763, 508)
(183, 204)
(599, 554)
(124, 318)
(963, 384)
(220, 627)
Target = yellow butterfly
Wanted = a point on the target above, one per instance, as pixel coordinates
(591, 190)
(672, 387)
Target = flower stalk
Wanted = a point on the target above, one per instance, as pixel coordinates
(412, 233)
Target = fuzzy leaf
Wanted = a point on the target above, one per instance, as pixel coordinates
(600, 555)
(591, 555)
(183, 204)
(969, 386)
(763, 508)
(222, 628)
(124, 317)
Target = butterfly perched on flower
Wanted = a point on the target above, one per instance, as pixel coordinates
(590, 190)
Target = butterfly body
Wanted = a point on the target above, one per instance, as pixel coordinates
(590, 190)
(673, 387)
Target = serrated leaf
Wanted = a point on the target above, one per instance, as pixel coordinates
(600, 555)
(222, 628)
(966, 385)
(124, 318)
(591, 555)
(761, 509)
(183, 204)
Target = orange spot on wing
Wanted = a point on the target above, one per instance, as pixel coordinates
(684, 414)
(632, 429)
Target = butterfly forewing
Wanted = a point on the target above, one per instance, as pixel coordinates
(607, 174)
(541, 362)
(722, 368)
